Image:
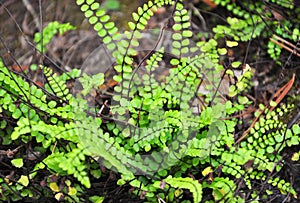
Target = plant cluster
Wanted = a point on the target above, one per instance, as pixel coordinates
(253, 19)
(170, 137)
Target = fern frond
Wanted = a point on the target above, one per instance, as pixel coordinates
(55, 84)
(187, 183)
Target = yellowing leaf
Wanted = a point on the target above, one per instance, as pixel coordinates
(222, 51)
(54, 187)
(295, 157)
(72, 191)
(206, 171)
(231, 43)
(223, 192)
(6, 179)
(59, 196)
(178, 192)
(24, 180)
(17, 162)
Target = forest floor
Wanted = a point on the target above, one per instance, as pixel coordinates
(18, 24)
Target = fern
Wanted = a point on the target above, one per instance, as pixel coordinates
(160, 128)
(36, 105)
(259, 19)
(42, 39)
(187, 183)
(148, 113)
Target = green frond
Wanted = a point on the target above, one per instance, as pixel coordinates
(187, 183)
(42, 39)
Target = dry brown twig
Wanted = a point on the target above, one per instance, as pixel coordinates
(286, 45)
(10, 153)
